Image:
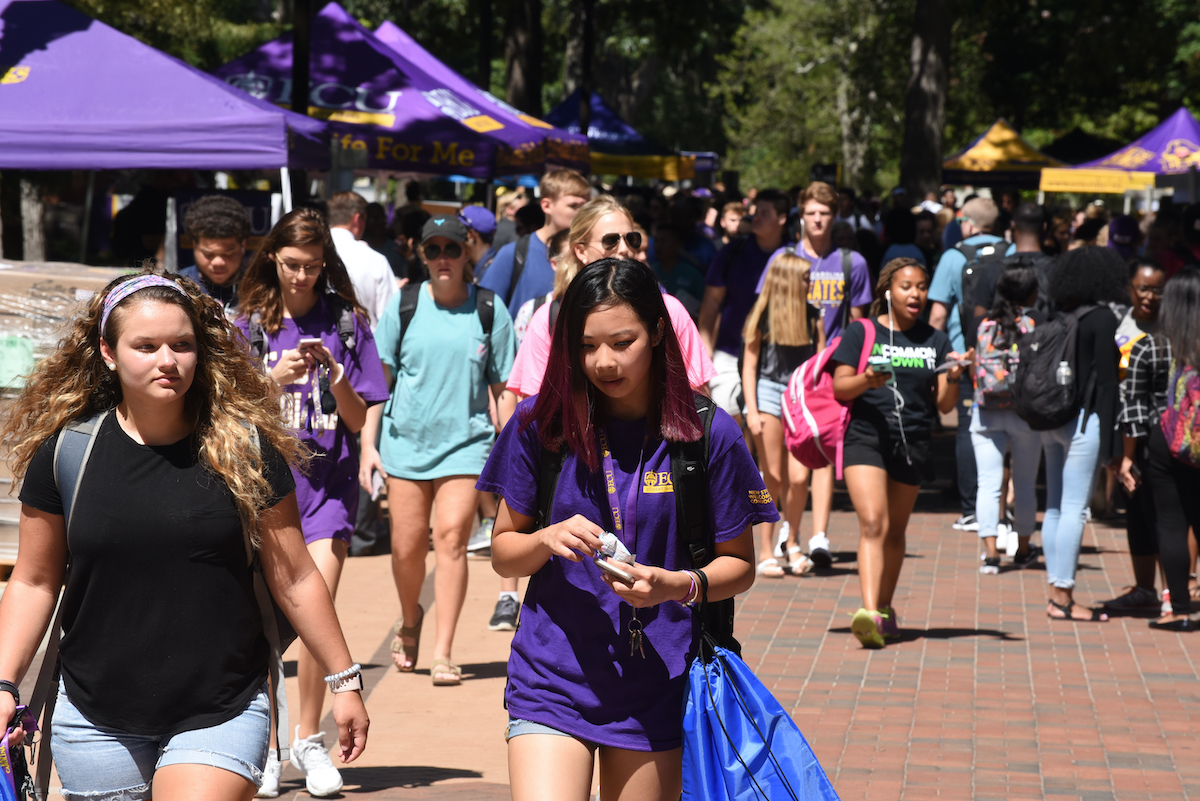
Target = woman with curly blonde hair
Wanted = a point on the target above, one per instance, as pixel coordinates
(163, 656)
(298, 309)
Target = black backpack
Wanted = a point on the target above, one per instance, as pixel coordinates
(555, 307)
(689, 479)
(971, 272)
(1042, 402)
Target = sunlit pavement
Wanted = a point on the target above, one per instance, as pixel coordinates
(984, 698)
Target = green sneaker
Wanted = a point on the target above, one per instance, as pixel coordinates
(866, 627)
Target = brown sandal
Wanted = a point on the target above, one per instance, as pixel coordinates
(410, 652)
(446, 668)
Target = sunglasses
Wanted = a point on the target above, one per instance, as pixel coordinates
(610, 242)
(451, 251)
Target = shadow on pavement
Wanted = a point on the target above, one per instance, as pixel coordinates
(912, 635)
(371, 779)
(479, 670)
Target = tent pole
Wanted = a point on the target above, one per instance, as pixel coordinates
(171, 240)
(87, 216)
(285, 184)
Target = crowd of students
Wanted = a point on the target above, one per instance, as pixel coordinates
(548, 385)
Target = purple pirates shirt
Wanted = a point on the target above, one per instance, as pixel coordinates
(328, 491)
(570, 667)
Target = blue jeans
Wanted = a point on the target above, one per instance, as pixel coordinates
(992, 432)
(1070, 464)
(96, 763)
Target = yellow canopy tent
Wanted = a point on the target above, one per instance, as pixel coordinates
(1169, 149)
(999, 157)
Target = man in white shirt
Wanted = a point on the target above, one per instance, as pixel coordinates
(847, 210)
(369, 270)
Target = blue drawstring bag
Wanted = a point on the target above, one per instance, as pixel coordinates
(738, 743)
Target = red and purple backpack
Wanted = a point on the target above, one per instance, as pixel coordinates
(1181, 419)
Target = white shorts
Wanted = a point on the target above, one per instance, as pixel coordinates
(726, 386)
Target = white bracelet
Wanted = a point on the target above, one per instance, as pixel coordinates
(345, 674)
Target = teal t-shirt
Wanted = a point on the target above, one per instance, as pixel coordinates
(436, 423)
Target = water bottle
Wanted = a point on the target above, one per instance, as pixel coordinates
(1063, 374)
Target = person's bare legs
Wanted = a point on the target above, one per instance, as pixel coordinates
(821, 485)
(798, 477)
(770, 454)
(640, 775)
(192, 782)
(901, 498)
(547, 767)
(409, 504)
(455, 501)
(329, 556)
(868, 488)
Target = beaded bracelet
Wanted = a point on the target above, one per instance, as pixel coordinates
(345, 674)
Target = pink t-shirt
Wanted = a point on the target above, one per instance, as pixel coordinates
(530, 365)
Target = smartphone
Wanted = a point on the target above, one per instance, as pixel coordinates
(882, 364)
(308, 342)
(616, 572)
(376, 485)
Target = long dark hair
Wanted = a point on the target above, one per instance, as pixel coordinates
(566, 405)
(259, 288)
(1089, 274)
(1179, 316)
(1015, 284)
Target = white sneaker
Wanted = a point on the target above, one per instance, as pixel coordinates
(270, 776)
(321, 778)
(781, 543)
(1002, 534)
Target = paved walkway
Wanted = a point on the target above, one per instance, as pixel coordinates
(983, 699)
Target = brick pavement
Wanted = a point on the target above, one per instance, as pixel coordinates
(984, 698)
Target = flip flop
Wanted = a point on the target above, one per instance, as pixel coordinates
(445, 667)
(769, 568)
(798, 564)
(410, 652)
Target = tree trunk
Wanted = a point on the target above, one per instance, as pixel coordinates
(925, 105)
(855, 123)
(485, 19)
(523, 55)
(32, 222)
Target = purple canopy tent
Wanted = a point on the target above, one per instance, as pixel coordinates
(396, 115)
(562, 147)
(77, 94)
(1167, 155)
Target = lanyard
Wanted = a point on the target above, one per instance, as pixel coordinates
(631, 498)
(610, 486)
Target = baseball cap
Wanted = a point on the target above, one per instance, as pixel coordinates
(450, 227)
(478, 219)
(703, 191)
(1122, 235)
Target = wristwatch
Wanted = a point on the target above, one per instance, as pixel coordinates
(347, 685)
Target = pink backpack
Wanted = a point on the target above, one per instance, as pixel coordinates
(815, 422)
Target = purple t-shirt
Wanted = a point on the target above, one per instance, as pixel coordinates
(570, 667)
(737, 268)
(828, 288)
(328, 492)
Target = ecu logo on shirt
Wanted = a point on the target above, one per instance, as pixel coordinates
(653, 482)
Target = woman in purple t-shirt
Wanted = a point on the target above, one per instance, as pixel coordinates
(292, 299)
(596, 661)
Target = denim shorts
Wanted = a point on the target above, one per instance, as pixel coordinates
(516, 727)
(101, 764)
(770, 397)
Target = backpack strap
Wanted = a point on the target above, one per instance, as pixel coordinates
(863, 356)
(410, 296)
(538, 303)
(967, 250)
(548, 473)
(520, 254)
(343, 312)
(257, 334)
(71, 454)
(555, 308)
(847, 267)
(485, 307)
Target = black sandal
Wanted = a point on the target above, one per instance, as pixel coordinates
(1097, 615)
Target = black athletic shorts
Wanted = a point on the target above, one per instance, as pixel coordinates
(865, 445)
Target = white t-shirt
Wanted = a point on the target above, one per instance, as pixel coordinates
(858, 222)
(370, 273)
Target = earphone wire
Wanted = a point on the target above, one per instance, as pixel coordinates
(893, 385)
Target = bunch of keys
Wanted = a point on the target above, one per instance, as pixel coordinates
(328, 402)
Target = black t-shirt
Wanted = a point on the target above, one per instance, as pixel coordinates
(915, 354)
(778, 362)
(985, 286)
(162, 632)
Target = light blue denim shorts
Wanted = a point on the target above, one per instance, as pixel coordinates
(101, 764)
(516, 727)
(770, 397)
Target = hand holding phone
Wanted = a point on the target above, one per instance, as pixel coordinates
(614, 571)
(881, 365)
